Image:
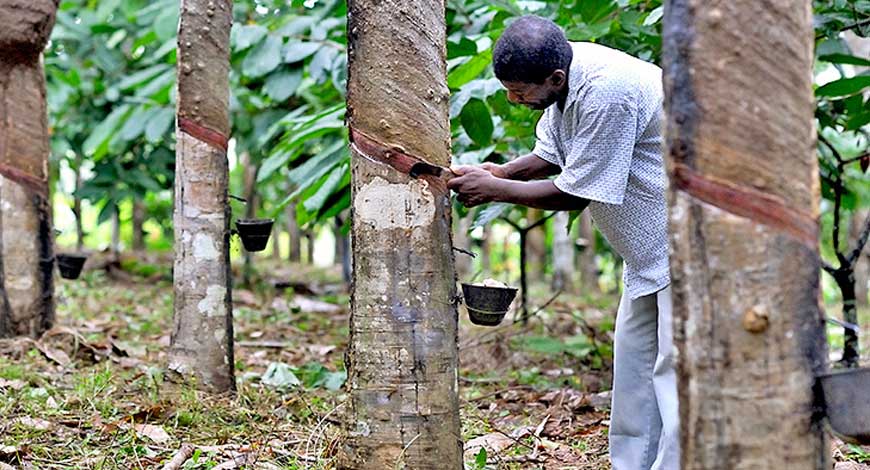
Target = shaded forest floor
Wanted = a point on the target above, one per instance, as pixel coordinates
(90, 394)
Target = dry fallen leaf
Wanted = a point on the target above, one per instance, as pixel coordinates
(33, 423)
(155, 433)
(12, 384)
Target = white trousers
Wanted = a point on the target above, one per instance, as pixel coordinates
(644, 421)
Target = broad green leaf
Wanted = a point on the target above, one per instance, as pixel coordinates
(281, 376)
(464, 47)
(469, 70)
(491, 212)
(844, 86)
(245, 36)
(296, 26)
(282, 84)
(477, 121)
(286, 150)
(142, 76)
(166, 23)
(295, 51)
(319, 67)
(592, 11)
(97, 142)
(654, 16)
(315, 202)
(134, 126)
(845, 59)
(263, 58)
(159, 124)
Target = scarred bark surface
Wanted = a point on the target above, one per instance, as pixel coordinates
(202, 339)
(402, 355)
(26, 253)
(744, 234)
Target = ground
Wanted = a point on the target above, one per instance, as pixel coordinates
(90, 394)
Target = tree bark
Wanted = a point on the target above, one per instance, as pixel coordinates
(342, 251)
(77, 203)
(862, 264)
(249, 179)
(202, 338)
(138, 222)
(744, 208)
(588, 264)
(462, 239)
(294, 235)
(536, 262)
(26, 252)
(486, 251)
(402, 354)
(563, 254)
(116, 229)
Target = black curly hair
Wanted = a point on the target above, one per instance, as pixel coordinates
(530, 50)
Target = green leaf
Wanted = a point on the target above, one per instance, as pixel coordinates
(159, 124)
(490, 213)
(286, 150)
(654, 16)
(477, 121)
(245, 36)
(469, 70)
(321, 62)
(844, 86)
(296, 51)
(592, 11)
(282, 84)
(280, 376)
(134, 126)
(166, 23)
(315, 202)
(845, 59)
(144, 75)
(97, 142)
(263, 58)
(480, 458)
(464, 47)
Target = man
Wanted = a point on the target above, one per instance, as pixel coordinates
(601, 135)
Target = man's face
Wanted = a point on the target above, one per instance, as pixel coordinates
(536, 95)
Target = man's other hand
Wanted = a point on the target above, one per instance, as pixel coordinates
(475, 185)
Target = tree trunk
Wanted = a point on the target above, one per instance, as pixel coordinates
(342, 251)
(294, 235)
(588, 265)
(537, 247)
(116, 229)
(744, 213)
(202, 338)
(309, 246)
(26, 253)
(276, 238)
(462, 240)
(486, 251)
(138, 222)
(862, 264)
(77, 204)
(249, 179)
(402, 355)
(563, 254)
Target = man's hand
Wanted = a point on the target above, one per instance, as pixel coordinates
(475, 185)
(499, 171)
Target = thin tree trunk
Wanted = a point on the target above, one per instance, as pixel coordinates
(342, 251)
(536, 240)
(402, 355)
(588, 265)
(249, 180)
(862, 264)
(744, 213)
(202, 338)
(77, 204)
(309, 246)
(116, 229)
(26, 253)
(462, 240)
(138, 222)
(563, 254)
(276, 239)
(294, 235)
(486, 251)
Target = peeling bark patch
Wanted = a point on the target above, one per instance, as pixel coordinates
(34, 184)
(213, 303)
(203, 248)
(746, 202)
(384, 205)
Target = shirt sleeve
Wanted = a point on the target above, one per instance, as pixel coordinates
(545, 146)
(598, 162)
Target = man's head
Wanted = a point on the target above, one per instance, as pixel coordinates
(532, 59)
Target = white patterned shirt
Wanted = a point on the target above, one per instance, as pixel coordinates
(608, 142)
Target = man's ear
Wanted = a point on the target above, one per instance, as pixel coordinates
(557, 78)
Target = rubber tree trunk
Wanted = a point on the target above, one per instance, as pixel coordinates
(536, 261)
(563, 254)
(26, 253)
(862, 264)
(402, 355)
(744, 208)
(249, 177)
(586, 259)
(462, 239)
(342, 250)
(77, 204)
(310, 236)
(202, 338)
(486, 251)
(138, 222)
(116, 229)
(294, 235)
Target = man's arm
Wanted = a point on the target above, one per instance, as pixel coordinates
(525, 168)
(476, 186)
